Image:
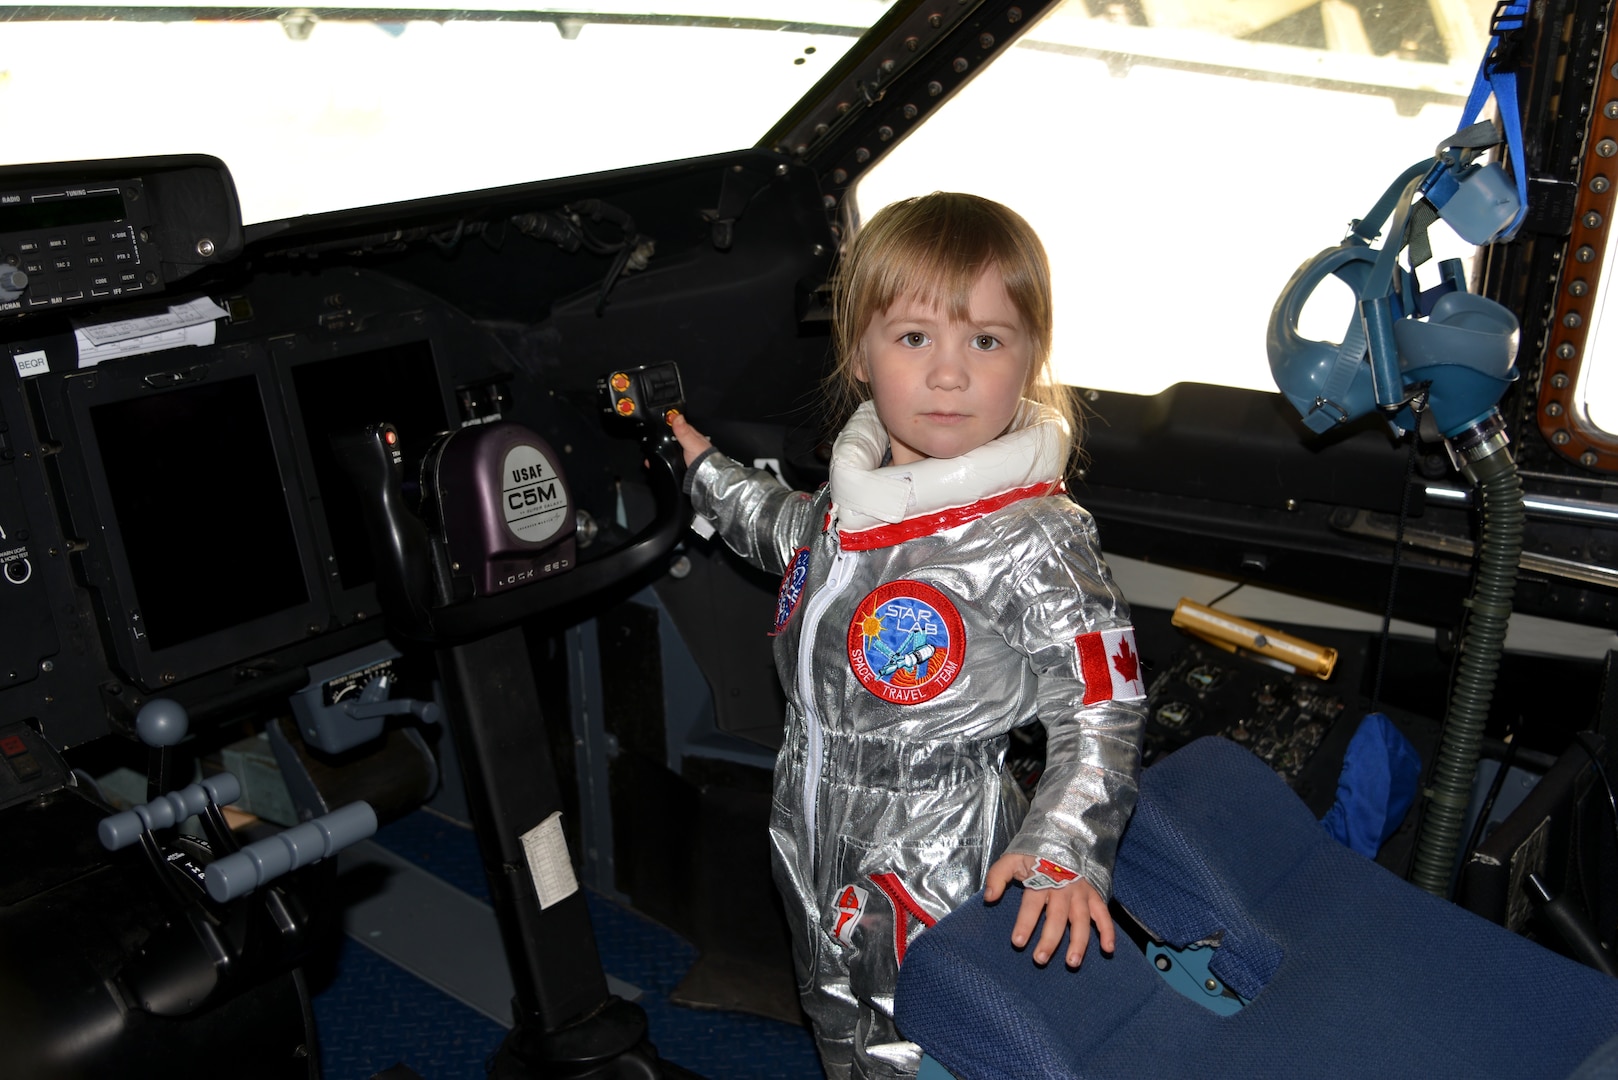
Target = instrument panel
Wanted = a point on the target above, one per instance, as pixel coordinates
(172, 511)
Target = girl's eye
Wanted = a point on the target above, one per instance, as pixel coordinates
(915, 339)
(986, 342)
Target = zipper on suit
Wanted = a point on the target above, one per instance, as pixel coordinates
(836, 580)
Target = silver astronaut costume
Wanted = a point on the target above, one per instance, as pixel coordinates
(926, 610)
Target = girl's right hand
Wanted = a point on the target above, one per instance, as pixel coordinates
(692, 441)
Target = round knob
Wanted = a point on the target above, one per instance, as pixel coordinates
(161, 722)
(12, 281)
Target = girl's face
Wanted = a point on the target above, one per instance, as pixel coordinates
(944, 387)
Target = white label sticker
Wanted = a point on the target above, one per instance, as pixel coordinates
(31, 363)
(545, 848)
(533, 500)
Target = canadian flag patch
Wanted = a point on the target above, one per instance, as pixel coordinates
(1110, 666)
(1048, 875)
(850, 906)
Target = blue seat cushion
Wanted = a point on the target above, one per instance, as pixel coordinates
(1351, 971)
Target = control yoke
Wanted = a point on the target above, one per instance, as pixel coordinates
(497, 515)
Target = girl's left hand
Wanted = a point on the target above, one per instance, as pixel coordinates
(1073, 907)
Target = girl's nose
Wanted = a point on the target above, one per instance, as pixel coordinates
(948, 370)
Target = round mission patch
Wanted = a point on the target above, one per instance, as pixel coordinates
(906, 642)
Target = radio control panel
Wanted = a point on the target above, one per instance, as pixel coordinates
(68, 245)
(93, 232)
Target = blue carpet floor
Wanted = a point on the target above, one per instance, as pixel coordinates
(372, 1014)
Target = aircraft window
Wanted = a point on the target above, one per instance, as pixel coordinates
(316, 111)
(1181, 158)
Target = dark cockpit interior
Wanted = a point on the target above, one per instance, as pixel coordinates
(377, 506)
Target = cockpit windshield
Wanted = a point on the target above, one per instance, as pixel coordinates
(317, 109)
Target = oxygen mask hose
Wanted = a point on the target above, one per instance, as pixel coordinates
(1491, 469)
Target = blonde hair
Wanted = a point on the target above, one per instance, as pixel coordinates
(934, 247)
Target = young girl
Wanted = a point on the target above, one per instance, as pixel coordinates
(940, 591)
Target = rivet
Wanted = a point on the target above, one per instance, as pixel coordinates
(862, 155)
(1553, 408)
(821, 129)
(1560, 438)
(985, 41)
(910, 112)
(960, 65)
(1566, 351)
(935, 20)
(1014, 15)
(884, 133)
(1587, 458)
(1578, 287)
(782, 169)
(1210, 985)
(801, 149)
(1610, 110)
(1591, 220)
(1600, 184)
(912, 43)
(1292, 504)
(1572, 320)
(818, 249)
(829, 201)
(1585, 254)
(1560, 380)
(205, 248)
(1606, 148)
(887, 66)
(839, 177)
(843, 106)
(935, 88)
(168, 676)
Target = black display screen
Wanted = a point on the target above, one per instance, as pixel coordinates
(201, 508)
(397, 384)
(55, 212)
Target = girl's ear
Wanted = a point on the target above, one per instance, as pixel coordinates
(857, 365)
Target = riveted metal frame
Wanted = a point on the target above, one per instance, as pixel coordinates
(916, 58)
(1562, 418)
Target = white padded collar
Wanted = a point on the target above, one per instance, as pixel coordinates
(865, 493)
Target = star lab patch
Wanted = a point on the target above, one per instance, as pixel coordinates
(906, 642)
(1110, 666)
(791, 591)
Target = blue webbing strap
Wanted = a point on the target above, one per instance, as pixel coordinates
(1509, 16)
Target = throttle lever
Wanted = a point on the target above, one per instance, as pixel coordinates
(374, 462)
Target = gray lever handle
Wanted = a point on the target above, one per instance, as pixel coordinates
(240, 872)
(122, 829)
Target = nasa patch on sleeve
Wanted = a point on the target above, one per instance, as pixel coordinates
(791, 591)
(906, 642)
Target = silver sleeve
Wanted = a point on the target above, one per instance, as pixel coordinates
(1087, 791)
(758, 517)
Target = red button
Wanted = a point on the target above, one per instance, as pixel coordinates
(13, 745)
